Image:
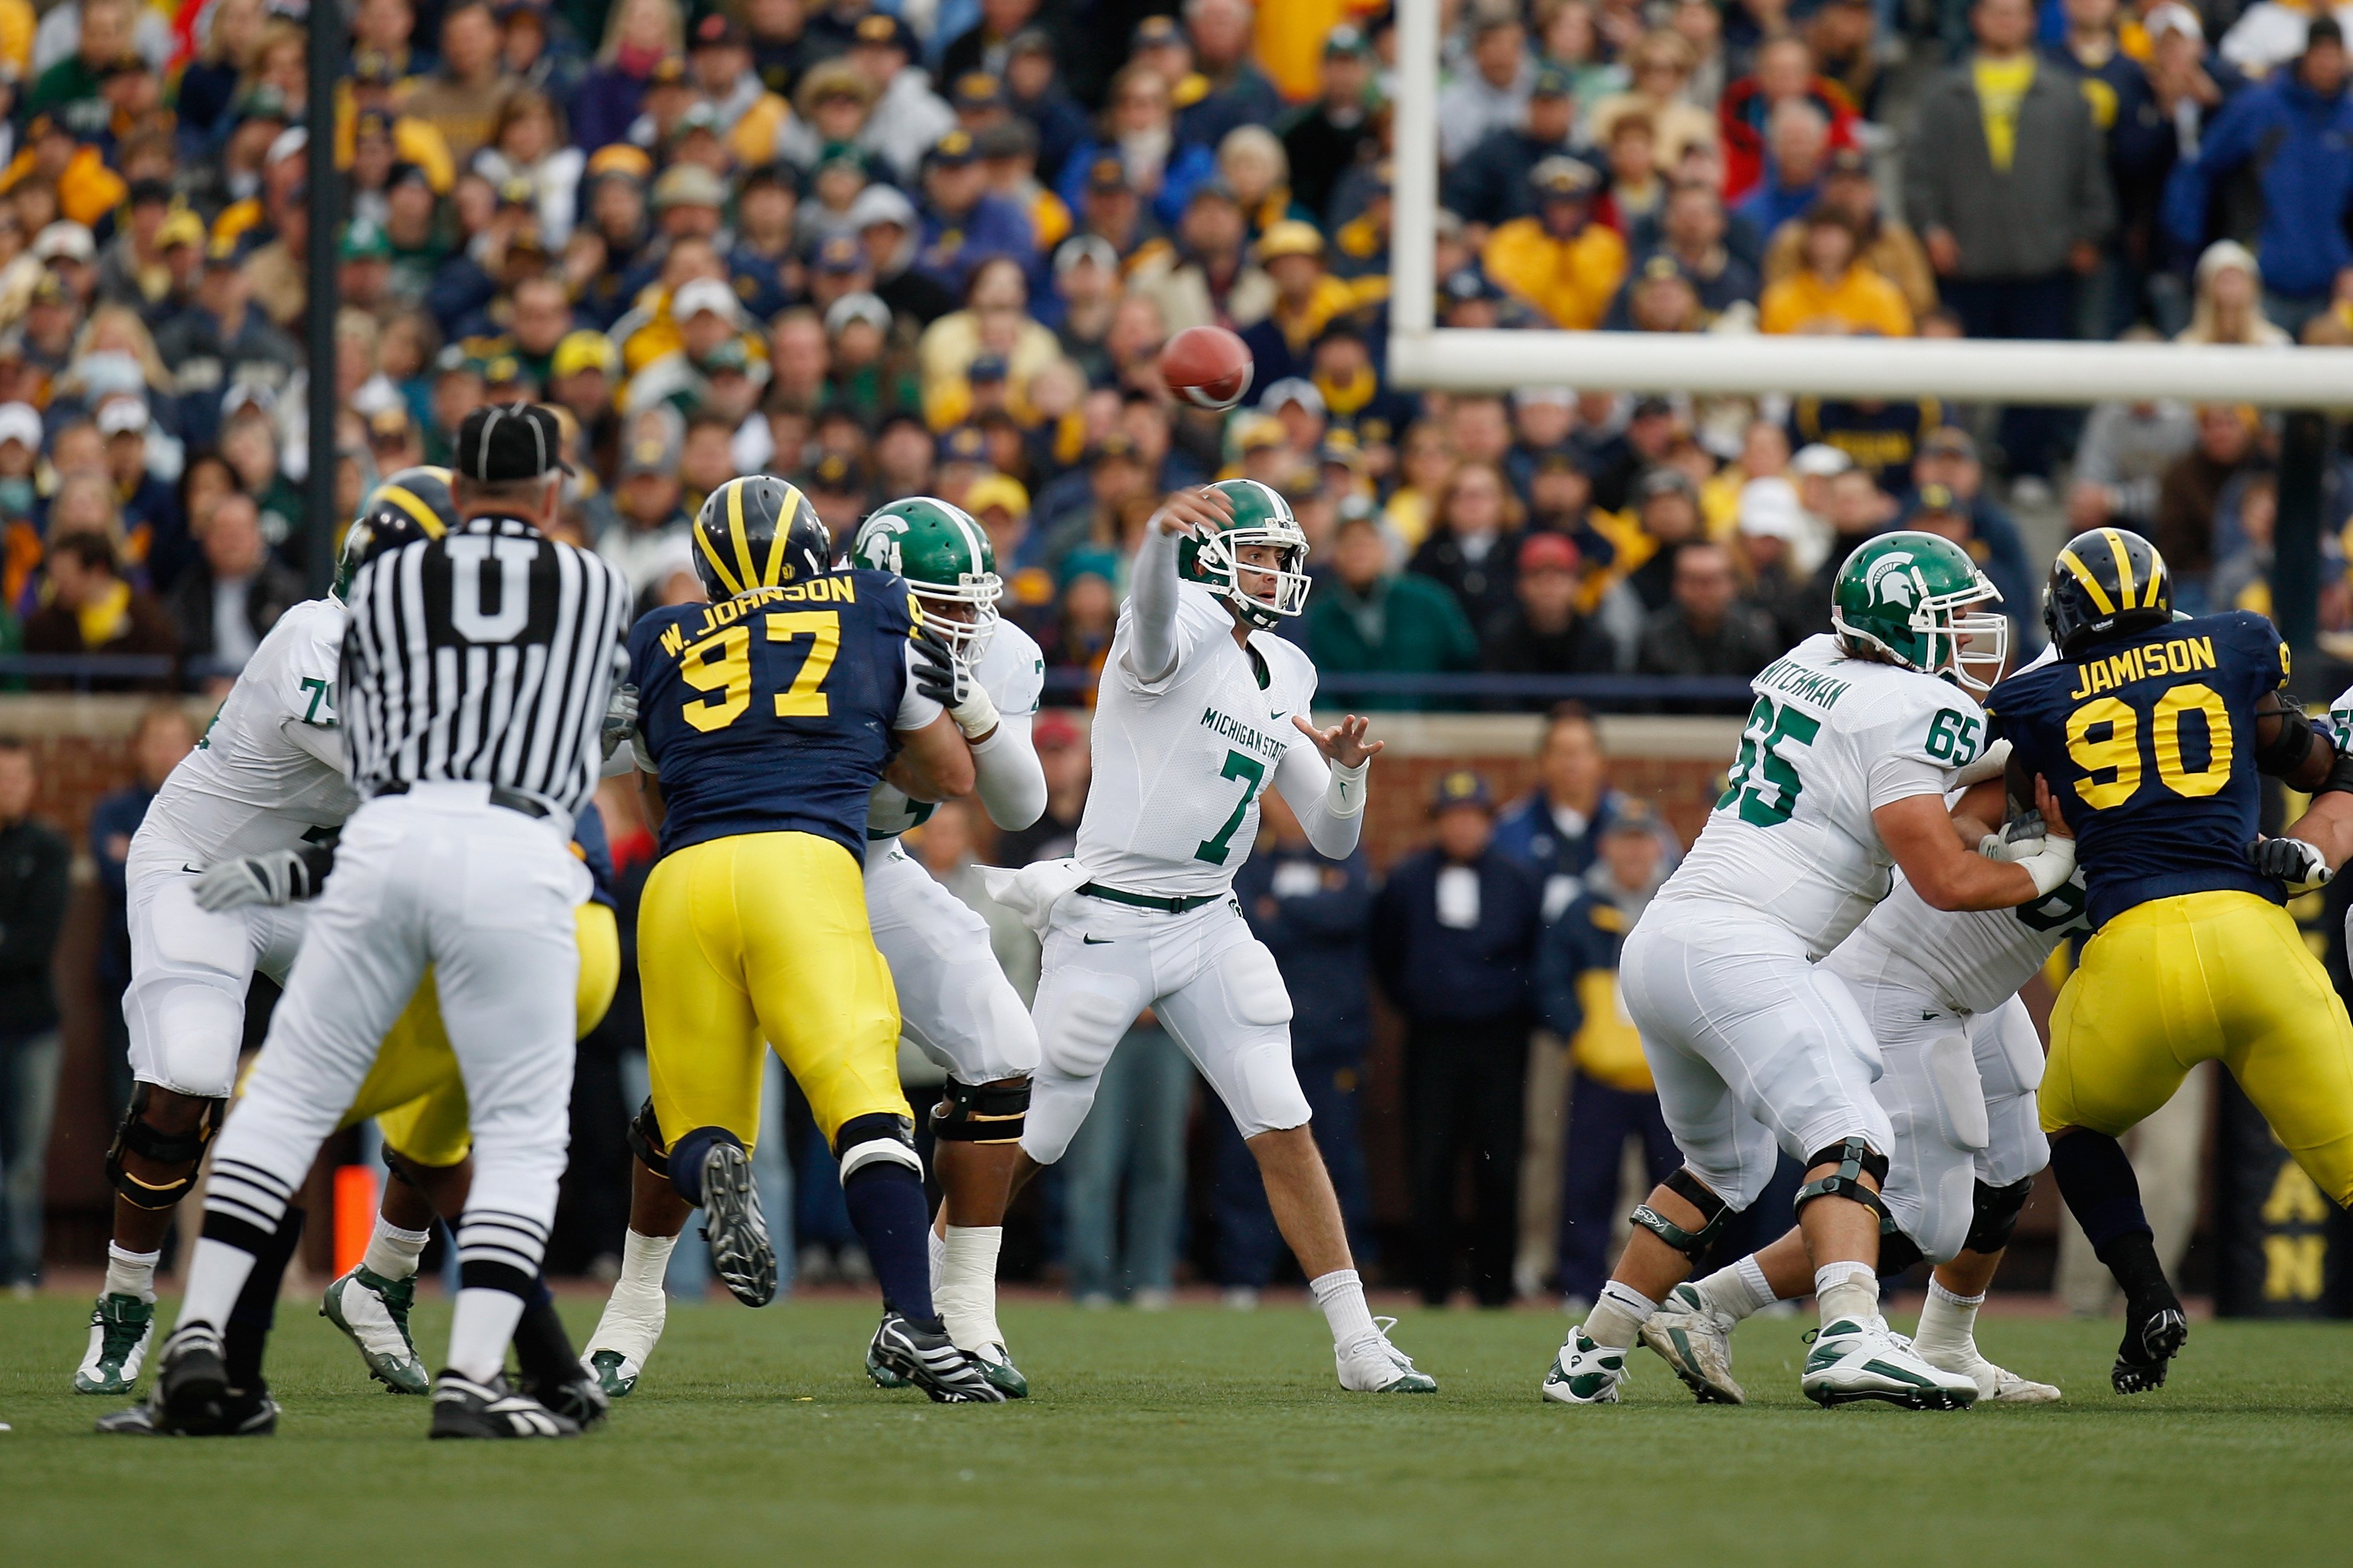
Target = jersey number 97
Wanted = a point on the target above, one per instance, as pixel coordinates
(720, 666)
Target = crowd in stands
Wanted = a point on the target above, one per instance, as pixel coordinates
(935, 245)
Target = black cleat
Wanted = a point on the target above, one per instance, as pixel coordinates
(192, 1387)
(580, 1400)
(931, 1361)
(740, 1252)
(239, 1413)
(2154, 1335)
(464, 1408)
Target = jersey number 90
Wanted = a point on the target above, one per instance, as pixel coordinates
(2104, 737)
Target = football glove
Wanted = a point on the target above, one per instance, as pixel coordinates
(279, 878)
(620, 718)
(2293, 861)
(948, 680)
(2022, 839)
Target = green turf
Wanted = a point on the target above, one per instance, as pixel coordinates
(1202, 1436)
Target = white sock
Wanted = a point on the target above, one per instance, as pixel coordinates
(938, 1249)
(1849, 1290)
(391, 1252)
(1949, 1322)
(214, 1279)
(132, 1273)
(1736, 1289)
(965, 1289)
(480, 1329)
(1341, 1294)
(1618, 1316)
(645, 1260)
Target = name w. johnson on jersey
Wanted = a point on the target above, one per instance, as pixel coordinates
(834, 590)
(1228, 728)
(2180, 656)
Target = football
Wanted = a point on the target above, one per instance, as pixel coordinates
(1206, 367)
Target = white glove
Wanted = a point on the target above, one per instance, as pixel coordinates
(620, 718)
(2021, 840)
(274, 879)
(2051, 866)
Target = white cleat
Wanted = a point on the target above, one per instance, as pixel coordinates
(1996, 1384)
(1372, 1365)
(1695, 1341)
(625, 1338)
(1583, 1373)
(1851, 1362)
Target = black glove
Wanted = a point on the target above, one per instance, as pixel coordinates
(2292, 860)
(939, 674)
(620, 719)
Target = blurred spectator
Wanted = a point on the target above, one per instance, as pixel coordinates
(1769, 528)
(91, 610)
(2293, 131)
(2122, 459)
(1691, 231)
(1123, 1177)
(1935, 508)
(1666, 506)
(1708, 629)
(651, 535)
(908, 118)
(1833, 292)
(1332, 134)
(1798, 145)
(2229, 304)
(1547, 631)
(1139, 130)
(1491, 93)
(1784, 74)
(1884, 245)
(2162, 113)
(1453, 941)
(1224, 89)
(1558, 259)
(965, 224)
(465, 98)
(1610, 1096)
(226, 601)
(1488, 184)
(163, 737)
(1474, 541)
(1213, 282)
(1314, 917)
(1366, 620)
(2186, 497)
(34, 864)
(1857, 510)
(1661, 65)
(1555, 831)
(2242, 579)
(1880, 438)
(1307, 299)
(2007, 236)
(1034, 92)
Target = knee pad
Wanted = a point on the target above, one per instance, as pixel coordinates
(1996, 1216)
(1853, 1158)
(645, 1140)
(878, 1136)
(981, 1113)
(1692, 1244)
(135, 1136)
(1897, 1252)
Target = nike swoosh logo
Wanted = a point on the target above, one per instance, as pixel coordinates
(193, 870)
(1096, 941)
(1925, 1016)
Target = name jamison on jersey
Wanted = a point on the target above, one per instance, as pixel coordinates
(269, 772)
(485, 656)
(1180, 762)
(1829, 740)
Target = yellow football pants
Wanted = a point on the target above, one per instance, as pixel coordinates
(764, 934)
(415, 1091)
(2180, 981)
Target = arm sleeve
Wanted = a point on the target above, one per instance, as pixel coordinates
(1152, 645)
(1329, 801)
(1010, 780)
(915, 710)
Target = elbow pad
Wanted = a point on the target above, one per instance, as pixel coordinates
(2285, 752)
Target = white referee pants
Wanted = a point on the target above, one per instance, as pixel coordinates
(1752, 1047)
(1214, 986)
(484, 895)
(955, 1005)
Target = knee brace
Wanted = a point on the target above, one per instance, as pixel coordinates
(645, 1140)
(1996, 1216)
(135, 1136)
(981, 1113)
(1853, 1158)
(864, 1139)
(1714, 1212)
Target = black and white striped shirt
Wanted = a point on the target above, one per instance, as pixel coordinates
(488, 655)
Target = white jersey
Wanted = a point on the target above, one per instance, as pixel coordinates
(261, 778)
(1971, 960)
(1180, 762)
(1830, 740)
(1012, 670)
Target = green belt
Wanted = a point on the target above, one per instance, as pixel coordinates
(1167, 905)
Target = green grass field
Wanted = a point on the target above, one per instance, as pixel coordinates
(1202, 1436)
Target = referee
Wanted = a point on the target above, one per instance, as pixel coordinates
(476, 674)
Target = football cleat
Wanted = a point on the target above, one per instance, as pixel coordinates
(1695, 1341)
(373, 1313)
(1584, 1373)
(2154, 1335)
(121, 1330)
(997, 1365)
(614, 1372)
(624, 1337)
(580, 1399)
(464, 1408)
(1851, 1362)
(928, 1359)
(740, 1252)
(191, 1393)
(1370, 1364)
(1995, 1385)
(241, 1413)
(882, 1376)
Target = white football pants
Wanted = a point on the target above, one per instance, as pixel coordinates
(190, 970)
(955, 1005)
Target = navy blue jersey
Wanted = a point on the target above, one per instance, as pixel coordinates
(2148, 741)
(772, 711)
(588, 842)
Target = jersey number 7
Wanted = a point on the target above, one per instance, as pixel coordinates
(720, 665)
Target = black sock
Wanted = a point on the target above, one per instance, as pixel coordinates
(247, 1334)
(543, 1350)
(686, 1157)
(2132, 1259)
(2099, 1185)
(886, 1205)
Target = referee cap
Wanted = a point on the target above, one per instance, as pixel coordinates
(501, 443)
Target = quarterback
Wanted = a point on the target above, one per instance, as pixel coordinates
(1202, 709)
(1853, 744)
